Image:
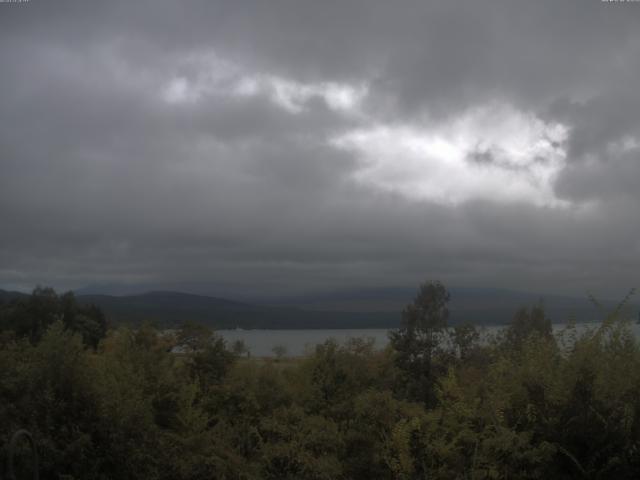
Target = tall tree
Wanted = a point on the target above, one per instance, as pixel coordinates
(527, 322)
(418, 339)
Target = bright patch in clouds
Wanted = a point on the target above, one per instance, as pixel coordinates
(293, 96)
(495, 152)
(211, 75)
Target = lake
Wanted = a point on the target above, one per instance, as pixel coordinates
(300, 342)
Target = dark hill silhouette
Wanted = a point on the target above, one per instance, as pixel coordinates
(172, 308)
(7, 296)
(365, 308)
(483, 306)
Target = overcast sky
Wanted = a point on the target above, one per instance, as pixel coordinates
(277, 147)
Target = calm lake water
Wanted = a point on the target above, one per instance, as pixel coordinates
(301, 342)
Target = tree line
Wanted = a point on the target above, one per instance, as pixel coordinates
(437, 402)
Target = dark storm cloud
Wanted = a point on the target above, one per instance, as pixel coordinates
(172, 143)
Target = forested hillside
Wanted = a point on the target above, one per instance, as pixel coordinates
(170, 309)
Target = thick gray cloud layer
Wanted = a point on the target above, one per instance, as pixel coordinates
(285, 146)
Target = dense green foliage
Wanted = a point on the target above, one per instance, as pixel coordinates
(31, 316)
(437, 403)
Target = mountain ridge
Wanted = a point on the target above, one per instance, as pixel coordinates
(363, 308)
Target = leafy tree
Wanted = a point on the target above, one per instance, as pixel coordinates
(374, 444)
(47, 388)
(207, 357)
(30, 317)
(417, 341)
(527, 322)
(334, 375)
(279, 351)
(465, 338)
(193, 336)
(87, 320)
(300, 446)
(239, 348)
(210, 365)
